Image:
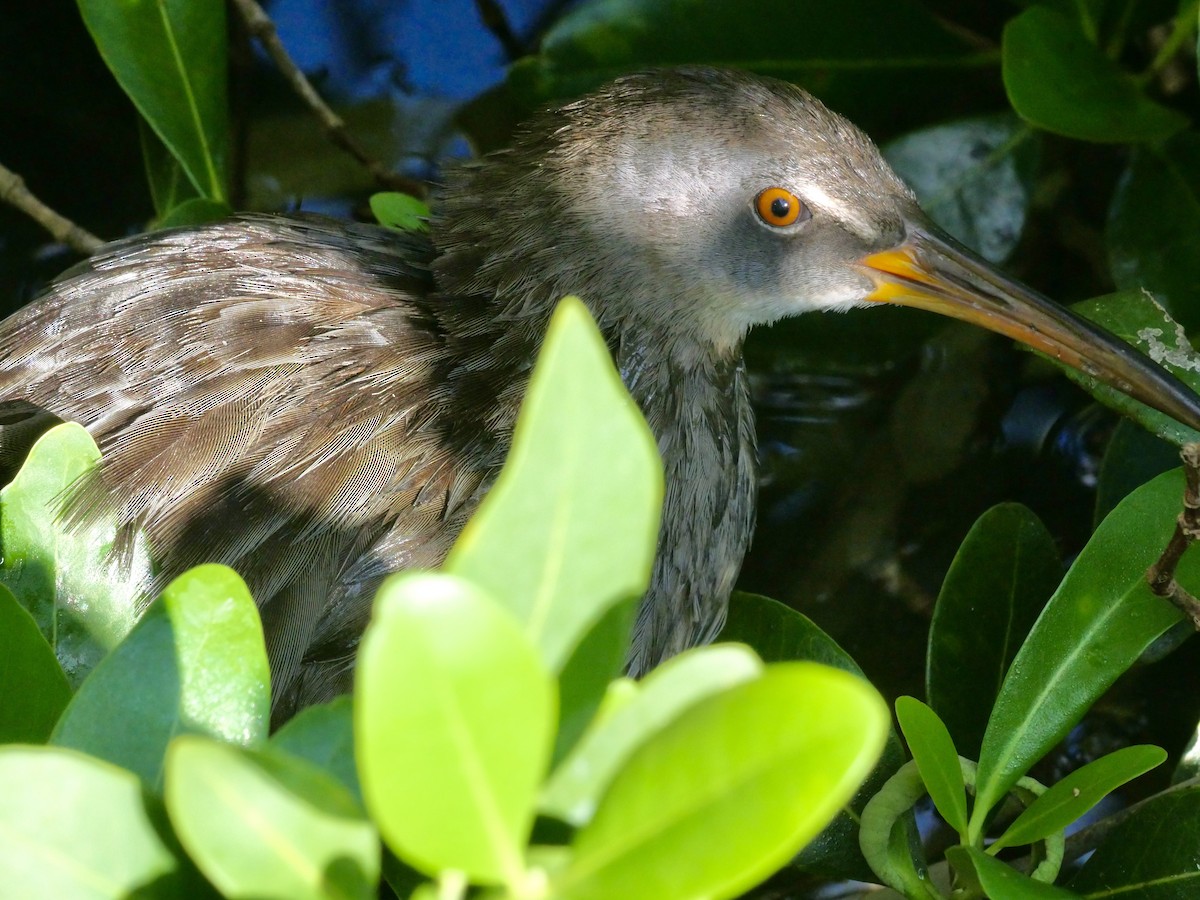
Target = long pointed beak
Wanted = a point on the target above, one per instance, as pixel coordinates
(931, 270)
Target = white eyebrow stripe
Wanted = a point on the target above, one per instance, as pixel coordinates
(816, 197)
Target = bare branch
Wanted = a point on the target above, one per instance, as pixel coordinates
(14, 192)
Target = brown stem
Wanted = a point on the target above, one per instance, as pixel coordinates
(259, 24)
(13, 191)
(1161, 575)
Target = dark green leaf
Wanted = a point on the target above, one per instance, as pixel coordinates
(1074, 796)
(1002, 576)
(936, 759)
(1137, 319)
(268, 826)
(169, 56)
(32, 684)
(1059, 81)
(400, 211)
(1150, 854)
(169, 183)
(83, 599)
(1133, 456)
(572, 792)
(974, 178)
(1000, 881)
(731, 789)
(323, 735)
(1154, 226)
(453, 724)
(197, 211)
(1096, 625)
(74, 827)
(196, 662)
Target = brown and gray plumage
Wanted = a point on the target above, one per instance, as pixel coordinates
(318, 404)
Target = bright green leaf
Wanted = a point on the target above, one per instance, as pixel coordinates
(1074, 796)
(573, 791)
(169, 56)
(1059, 81)
(83, 599)
(731, 789)
(400, 211)
(1001, 577)
(936, 759)
(262, 825)
(32, 684)
(196, 662)
(556, 544)
(74, 827)
(1096, 625)
(453, 724)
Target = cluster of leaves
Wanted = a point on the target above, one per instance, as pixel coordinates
(632, 783)
(485, 696)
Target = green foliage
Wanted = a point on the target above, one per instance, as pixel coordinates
(699, 782)
(400, 211)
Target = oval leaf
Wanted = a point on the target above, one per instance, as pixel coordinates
(1096, 625)
(1002, 882)
(553, 542)
(998, 583)
(196, 662)
(32, 683)
(453, 725)
(73, 826)
(731, 789)
(323, 735)
(83, 601)
(573, 791)
(400, 211)
(1071, 798)
(169, 56)
(268, 826)
(1057, 80)
(936, 759)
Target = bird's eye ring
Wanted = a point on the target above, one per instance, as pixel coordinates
(779, 207)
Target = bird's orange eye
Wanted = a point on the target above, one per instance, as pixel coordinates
(779, 207)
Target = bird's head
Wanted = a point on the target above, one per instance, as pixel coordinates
(701, 202)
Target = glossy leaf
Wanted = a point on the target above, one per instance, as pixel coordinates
(73, 826)
(573, 791)
(554, 542)
(1138, 319)
(1000, 881)
(32, 684)
(778, 633)
(169, 56)
(1096, 625)
(974, 177)
(83, 599)
(1150, 854)
(1070, 799)
(1154, 226)
(401, 211)
(196, 662)
(1001, 577)
(1132, 457)
(839, 59)
(323, 735)
(1059, 81)
(731, 789)
(261, 825)
(936, 759)
(453, 724)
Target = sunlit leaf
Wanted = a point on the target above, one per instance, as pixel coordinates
(453, 724)
(32, 684)
(268, 826)
(323, 735)
(196, 662)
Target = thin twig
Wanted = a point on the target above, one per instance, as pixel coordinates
(495, 21)
(13, 191)
(259, 24)
(1161, 575)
